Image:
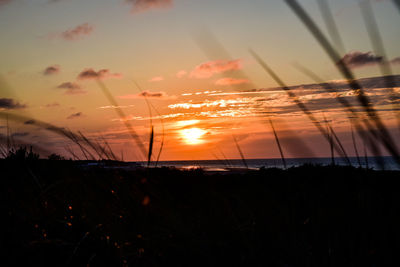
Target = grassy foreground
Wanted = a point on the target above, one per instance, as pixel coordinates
(55, 213)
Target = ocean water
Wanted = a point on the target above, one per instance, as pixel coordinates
(225, 165)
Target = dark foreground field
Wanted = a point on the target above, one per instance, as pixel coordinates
(55, 213)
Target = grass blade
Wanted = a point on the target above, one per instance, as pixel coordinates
(240, 152)
(279, 144)
(383, 134)
(121, 114)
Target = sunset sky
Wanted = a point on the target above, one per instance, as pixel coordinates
(191, 60)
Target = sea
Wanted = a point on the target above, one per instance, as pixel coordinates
(376, 163)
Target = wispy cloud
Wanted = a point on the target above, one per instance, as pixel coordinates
(51, 70)
(221, 103)
(52, 105)
(9, 103)
(231, 81)
(275, 101)
(20, 134)
(180, 74)
(71, 88)
(139, 6)
(114, 107)
(357, 59)
(75, 115)
(208, 69)
(78, 32)
(395, 60)
(29, 122)
(157, 79)
(89, 73)
(148, 94)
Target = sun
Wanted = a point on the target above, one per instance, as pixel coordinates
(193, 136)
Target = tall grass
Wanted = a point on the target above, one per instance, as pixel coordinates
(382, 135)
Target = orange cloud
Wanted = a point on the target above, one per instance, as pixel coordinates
(75, 115)
(148, 94)
(180, 74)
(157, 79)
(208, 69)
(139, 6)
(89, 73)
(231, 81)
(77, 32)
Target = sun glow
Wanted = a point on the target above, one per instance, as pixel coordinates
(193, 136)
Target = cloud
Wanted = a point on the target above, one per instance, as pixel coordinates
(29, 122)
(231, 81)
(115, 107)
(157, 79)
(9, 103)
(78, 32)
(139, 6)
(71, 88)
(180, 74)
(50, 70)
(274, 101)
(90, 73)
(208, 69)
(358, 59)
(52, 105)
(75, 115)
(395, 60)
(148, 94)
(19, 134)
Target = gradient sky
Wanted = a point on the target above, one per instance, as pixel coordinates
(52, 50)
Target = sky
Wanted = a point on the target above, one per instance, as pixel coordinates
(190, 60)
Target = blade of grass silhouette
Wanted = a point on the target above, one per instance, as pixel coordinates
(240, 152)
(150, 146)
(213, 49)
(353, 115)
(47, 126)
(69, 150)
(333, 133)
(91, 145)
(366, 157)
(110, 151)
(379, 49)
(228, 163)
(150, 105)
(84, 151)
(151, 139)
(217, 158)
(331, 24)
(279, 144)
(8, 134)
(355, 145)
(98, 148)
(397, 3)
(293, 97)
(334, 138)
(20, 143)
(121, 114)
(384, 135)
(330, 141)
